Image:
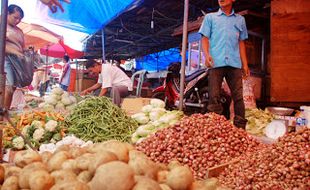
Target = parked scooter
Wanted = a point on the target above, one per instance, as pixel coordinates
(195, 93)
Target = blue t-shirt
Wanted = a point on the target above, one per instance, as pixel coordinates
(224, 33)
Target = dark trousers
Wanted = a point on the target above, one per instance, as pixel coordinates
(233, 78)
(117, 93)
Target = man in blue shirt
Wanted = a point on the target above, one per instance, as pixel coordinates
(223, 44)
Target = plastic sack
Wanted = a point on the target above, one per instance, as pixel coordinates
(22, 69)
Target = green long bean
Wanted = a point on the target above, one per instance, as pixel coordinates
(98, 119)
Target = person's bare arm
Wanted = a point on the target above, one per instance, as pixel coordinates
(206, 51)
(53, 4)
(103, 91)
(244, 60)
(92, 88)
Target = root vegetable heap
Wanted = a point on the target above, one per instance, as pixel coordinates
(284, 165)
(199, 141)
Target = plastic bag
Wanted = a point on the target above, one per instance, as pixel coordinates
(22, 69)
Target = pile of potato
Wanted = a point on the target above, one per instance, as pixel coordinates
(111, 165)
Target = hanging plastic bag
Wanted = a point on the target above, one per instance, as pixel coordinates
(22, 69)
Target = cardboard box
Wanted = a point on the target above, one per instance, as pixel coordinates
(134, 105)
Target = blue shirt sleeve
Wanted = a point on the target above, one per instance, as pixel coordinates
(244, 31)
(205, 28)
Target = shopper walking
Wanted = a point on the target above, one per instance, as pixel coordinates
(223, 44)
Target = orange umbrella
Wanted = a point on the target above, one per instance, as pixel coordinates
(38, 36)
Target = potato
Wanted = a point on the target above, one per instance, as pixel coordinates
(101, 158)
(85, 177)
(162, 176)
(56, 161)
(23, 158)
(142, 165)
(199, 185)
(77, 151)
(11, 183)
(180, 178)
(12, 171)
(70, 165)
(211, 183)
(40, 180)
(61, 148)
(25, 173)
(120, 149)
(173, 164)
(46, 156)
(165, 187)
(113, 175)
(63, 176)
(2, 173)
(70, 185)
(144, 183)
(84, 161)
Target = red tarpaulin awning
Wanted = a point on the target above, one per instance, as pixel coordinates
(59, 50)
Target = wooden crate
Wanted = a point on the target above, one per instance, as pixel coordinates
(216, 170)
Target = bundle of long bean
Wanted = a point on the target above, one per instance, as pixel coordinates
(98, 119)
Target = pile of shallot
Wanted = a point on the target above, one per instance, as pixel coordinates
(199, 141)
(284, 165)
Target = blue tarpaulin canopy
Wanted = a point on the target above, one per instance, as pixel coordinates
(89, 16)
(158, 61)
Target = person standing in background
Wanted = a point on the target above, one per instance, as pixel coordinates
(223, 45)
(65, 77)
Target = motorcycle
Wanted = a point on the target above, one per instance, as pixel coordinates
(195, 91)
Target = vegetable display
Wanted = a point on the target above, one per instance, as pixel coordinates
(200, 142)
(257, 121)
(152, 118)
(38, 127)
(98, 119)
(59, 100)
(283, 165)
(96, 167)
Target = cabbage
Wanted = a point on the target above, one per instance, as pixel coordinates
(60, 106)
(170, 116)
(66, 100)
(70, 107)
(57, 91)
(147, 108)
(50, 100)
(143, 132)
(157, 103)
(156, 113)
(134, 137)
(140, 118)
(73, 99)
(65, 95)
(48, 107)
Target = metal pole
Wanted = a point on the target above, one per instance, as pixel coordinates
(77, 76)
(102, 41)
(184, 42)
(4, 14)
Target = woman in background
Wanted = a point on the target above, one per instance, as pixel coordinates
(14, 50)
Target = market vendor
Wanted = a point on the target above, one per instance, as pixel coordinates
(115, 79)
(95, 68)
(112, 79)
